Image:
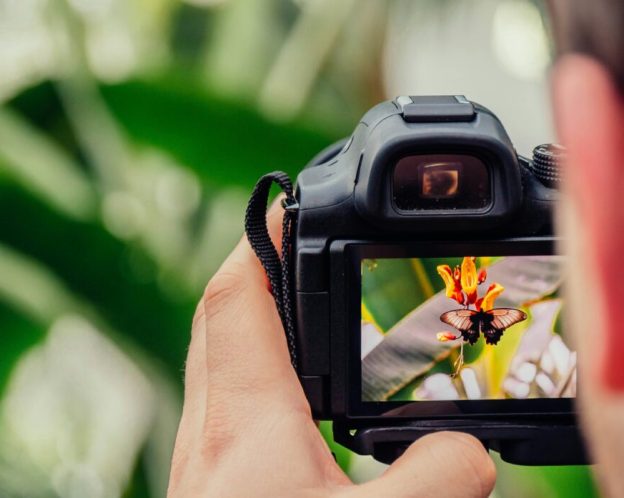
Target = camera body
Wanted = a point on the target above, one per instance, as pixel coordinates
(420, 177)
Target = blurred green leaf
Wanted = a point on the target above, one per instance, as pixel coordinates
(225, 142)
(391, 289)
(516, 481)
(98, 267)
(570, 482)
(44, 167)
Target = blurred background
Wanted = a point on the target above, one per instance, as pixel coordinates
(131, 134)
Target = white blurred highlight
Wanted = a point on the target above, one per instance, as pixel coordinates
(526, 372)
(76, 413)
(437, 387)
(471, 383)
(519, 40)
(371, 337)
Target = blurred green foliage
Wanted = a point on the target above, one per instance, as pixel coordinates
(224, 143)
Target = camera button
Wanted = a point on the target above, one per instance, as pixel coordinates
(437, 108)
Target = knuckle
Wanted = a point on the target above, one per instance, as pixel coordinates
(222, 289)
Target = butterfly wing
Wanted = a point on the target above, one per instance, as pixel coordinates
(503, 318)
(498, 320)
(466, 321)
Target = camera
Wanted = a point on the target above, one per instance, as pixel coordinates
(422, 286)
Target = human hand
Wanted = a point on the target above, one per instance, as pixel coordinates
(246, 427)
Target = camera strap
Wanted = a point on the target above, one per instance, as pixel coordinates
(276, 265)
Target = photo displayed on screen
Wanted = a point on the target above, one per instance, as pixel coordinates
(457, 328)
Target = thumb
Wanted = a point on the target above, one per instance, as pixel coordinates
(448, 464)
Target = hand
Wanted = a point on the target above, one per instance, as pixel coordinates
(246, 428)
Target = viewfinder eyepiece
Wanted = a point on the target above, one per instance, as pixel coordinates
(440, 182)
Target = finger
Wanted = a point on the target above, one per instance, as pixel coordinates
(194, 408)
(247, 360)
(195, 371)
(449, 464)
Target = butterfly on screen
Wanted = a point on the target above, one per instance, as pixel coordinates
(491, 323)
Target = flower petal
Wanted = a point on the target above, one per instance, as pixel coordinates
(493, 292)
(447, 275)
(469, 279)
(482, 275)
(459, 297)
(446, 336)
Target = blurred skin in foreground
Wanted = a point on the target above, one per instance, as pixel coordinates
(588, 98)
(592, 220)
(246, 428)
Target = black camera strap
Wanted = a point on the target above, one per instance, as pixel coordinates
(276, 266)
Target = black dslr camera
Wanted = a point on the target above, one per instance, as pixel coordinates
(420, 288)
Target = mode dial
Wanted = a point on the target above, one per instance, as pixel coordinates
(546, 164)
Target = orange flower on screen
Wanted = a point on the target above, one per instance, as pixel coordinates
(463, 281)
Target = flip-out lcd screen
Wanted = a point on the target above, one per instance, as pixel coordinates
(463, 328)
